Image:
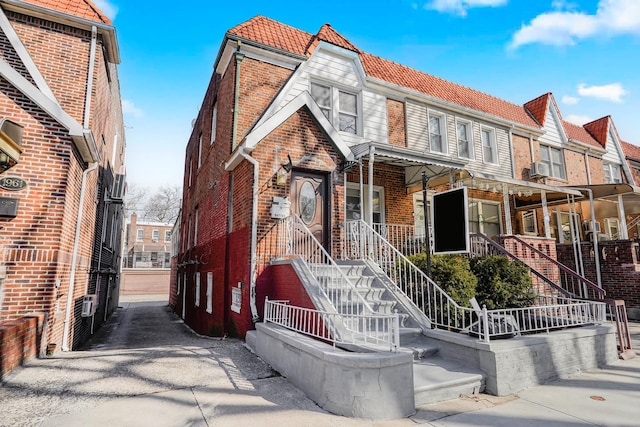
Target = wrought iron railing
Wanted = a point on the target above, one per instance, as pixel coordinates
(403, 237)
(379, 330)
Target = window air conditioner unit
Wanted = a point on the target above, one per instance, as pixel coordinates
(119, 187)
(89, 305)
(586, 227)
(539, 170)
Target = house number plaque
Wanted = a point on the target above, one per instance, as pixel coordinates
(12, 184)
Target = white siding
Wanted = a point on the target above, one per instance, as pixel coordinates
(612, 155)
(417, 129)
(552, 133)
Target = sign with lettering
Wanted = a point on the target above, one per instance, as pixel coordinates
(12, 184)
(8, 207)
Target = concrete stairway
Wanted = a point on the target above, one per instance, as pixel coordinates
(434, 378)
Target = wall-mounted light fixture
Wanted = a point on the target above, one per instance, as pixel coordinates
(10, 144)
(285, 168)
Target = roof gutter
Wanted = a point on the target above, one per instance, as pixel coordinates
(106, 30)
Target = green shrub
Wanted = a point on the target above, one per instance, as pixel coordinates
(502, 283)
(452, 273)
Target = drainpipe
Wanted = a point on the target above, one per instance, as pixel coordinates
(92, 60)
(372, 151)
(256, 169)
(74, 259)
(594, 236)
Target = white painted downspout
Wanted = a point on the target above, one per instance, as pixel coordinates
(254, 235)
(74, 259)
(372, 151)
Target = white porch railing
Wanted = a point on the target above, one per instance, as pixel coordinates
(378, 330)
(445, 313)
(403, 237)
(290, 237)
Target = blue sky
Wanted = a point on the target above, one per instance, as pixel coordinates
(586, 52)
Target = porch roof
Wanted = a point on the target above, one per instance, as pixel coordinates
(413, 161)
(606, 198)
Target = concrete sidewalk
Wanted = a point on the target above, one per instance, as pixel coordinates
(145, 368)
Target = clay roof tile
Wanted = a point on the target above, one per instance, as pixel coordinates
(599, 129)
(80, 8)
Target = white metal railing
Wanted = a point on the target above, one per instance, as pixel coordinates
(403, 237)
(378, 330)
(364, 243)
(549, 312)
(290, 237)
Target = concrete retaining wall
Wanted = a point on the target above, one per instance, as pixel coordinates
(362, 385)
(518, 363)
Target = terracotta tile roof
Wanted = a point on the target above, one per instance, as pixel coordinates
(630, 150)
(80, 8)
(276, 34)
(580, 134)
(538, 107)
(598, 129)
(273, 33)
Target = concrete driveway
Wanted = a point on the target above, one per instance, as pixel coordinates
(145, 368)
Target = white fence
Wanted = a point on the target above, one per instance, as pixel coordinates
(371, 329)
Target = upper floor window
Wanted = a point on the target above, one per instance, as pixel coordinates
(155, 235)
(612, 173)
(339, 107)
(489, 145)
(195, 228)
(167, 235)
(190, 170)
(200, 150)
(214, 120)
(437, 134)
(554, 158)
(465, 141)
(140, 235)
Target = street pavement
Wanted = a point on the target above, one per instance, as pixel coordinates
(146, 368)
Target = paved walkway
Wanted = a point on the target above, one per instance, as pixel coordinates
(145, 368)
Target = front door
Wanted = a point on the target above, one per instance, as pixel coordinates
(309, 201)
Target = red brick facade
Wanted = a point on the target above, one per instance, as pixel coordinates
(40, 244)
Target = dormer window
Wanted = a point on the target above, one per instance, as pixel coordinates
(338, 106)
(612, 174)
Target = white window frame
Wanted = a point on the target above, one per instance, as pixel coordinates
(365, 200)
(612, 173)
(196, 295)
(609, 225)
(561, 236)
(493, 145)
(532, 215)
(480, 217)
(200, 151)
(334, 110)
(209, 292)
(550, 149)
(469, 127)
(195, 228)
(138, 237)
(443, 131)
(214, 122)
(155, 235)
(167, 235)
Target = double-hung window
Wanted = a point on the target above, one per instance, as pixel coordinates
(167, 235)
(437, 134)
(465, 141)
(489, 145)
(554, 158)
(529, 223)
(612, 173)
(140, 235)
(155, 235)
(339, 107)
(356, 209)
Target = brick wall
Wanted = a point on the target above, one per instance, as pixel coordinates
(20, 341)
(396, 123)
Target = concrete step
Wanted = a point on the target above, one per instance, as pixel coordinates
(436, 379)
(411, 339)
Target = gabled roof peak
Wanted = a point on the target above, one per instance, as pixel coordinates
(539, 106)
(599, 129)
(328, 34)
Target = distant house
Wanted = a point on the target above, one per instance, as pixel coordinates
(308, 125)
(63, 182)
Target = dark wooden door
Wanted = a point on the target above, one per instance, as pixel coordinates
(309, 201)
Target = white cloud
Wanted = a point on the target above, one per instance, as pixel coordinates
(107, 8)
(577, 119)
(570, 100)
(129, 108)
(460, 7)
(611, 92)
(565, 26)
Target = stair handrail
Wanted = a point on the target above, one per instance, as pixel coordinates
(597, 290)
(301, 243)
(502, 250)
(441, 310)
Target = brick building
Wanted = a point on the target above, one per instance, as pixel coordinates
(60, 86)
(309, 125)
